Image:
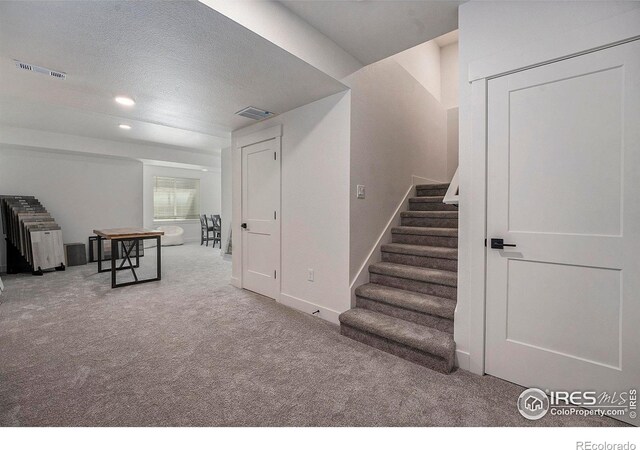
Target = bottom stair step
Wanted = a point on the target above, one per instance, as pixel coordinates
(417, 343)
(427, 310)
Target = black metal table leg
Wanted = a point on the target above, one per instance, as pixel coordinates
(113, 263)
(159, 262)
(99, 243)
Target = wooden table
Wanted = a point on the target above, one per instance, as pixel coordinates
(130, 239)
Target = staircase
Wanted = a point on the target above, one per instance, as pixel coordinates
(407, 307)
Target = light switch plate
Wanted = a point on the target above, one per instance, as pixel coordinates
(310, 276)
(360, 191)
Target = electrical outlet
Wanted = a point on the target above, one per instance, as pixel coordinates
(310, 275)
(360, 191)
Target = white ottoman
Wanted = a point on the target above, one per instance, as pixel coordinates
(173, 235)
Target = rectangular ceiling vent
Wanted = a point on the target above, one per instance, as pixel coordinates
(43, 70)
(255, 113)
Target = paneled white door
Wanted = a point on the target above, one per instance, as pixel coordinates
(563, 305)
(261, 217)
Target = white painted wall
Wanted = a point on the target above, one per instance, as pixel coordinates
(82, 192)
(450, 76)
(276, 23)
(315, 205)
(398, 129)
(226, 196)
(435, 68)
(486, 29)
(423, 62)
(210, 190)
(449, 67)
(452, 141)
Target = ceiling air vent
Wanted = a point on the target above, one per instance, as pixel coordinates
(43, 70)
(255, 113)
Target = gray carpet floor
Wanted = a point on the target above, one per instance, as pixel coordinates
(193, 350)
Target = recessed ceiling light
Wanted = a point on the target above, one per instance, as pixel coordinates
(124, 126)
(205, 170)
(126, 101)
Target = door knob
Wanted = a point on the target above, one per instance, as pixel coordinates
(244, 225)
(499, 244)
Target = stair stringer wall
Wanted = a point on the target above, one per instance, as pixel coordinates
(374, 255)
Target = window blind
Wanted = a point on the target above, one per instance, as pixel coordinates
(176, 198)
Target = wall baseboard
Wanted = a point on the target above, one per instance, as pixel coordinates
(308, 307)
(235, 281)
(463, 360)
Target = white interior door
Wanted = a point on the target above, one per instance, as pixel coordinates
(563, 306)
(261, 217)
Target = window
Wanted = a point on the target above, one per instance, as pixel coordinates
(176, 198)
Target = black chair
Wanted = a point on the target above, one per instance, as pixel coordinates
(203, 230)
(206, 231)
(216, 220)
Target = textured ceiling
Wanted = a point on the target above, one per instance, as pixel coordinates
(188, 67)
(374, 30)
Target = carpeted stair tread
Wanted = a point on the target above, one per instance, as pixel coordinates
(412, 335)
(414, 301)
(430, 214)
(426, 187)
(421, 250)
(427, 275)
(426, 231)
(427, 199)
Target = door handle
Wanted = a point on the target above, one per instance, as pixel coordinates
(499, 244)
(244, 225)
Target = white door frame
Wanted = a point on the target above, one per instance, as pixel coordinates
(274, 132)
(606, 33)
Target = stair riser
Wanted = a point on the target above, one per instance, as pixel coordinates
(431, 241)
(439, 323)
(431, 206)
(421, 261)
(410, 354)
(431, 192)
(428, 222)
(424, 287)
